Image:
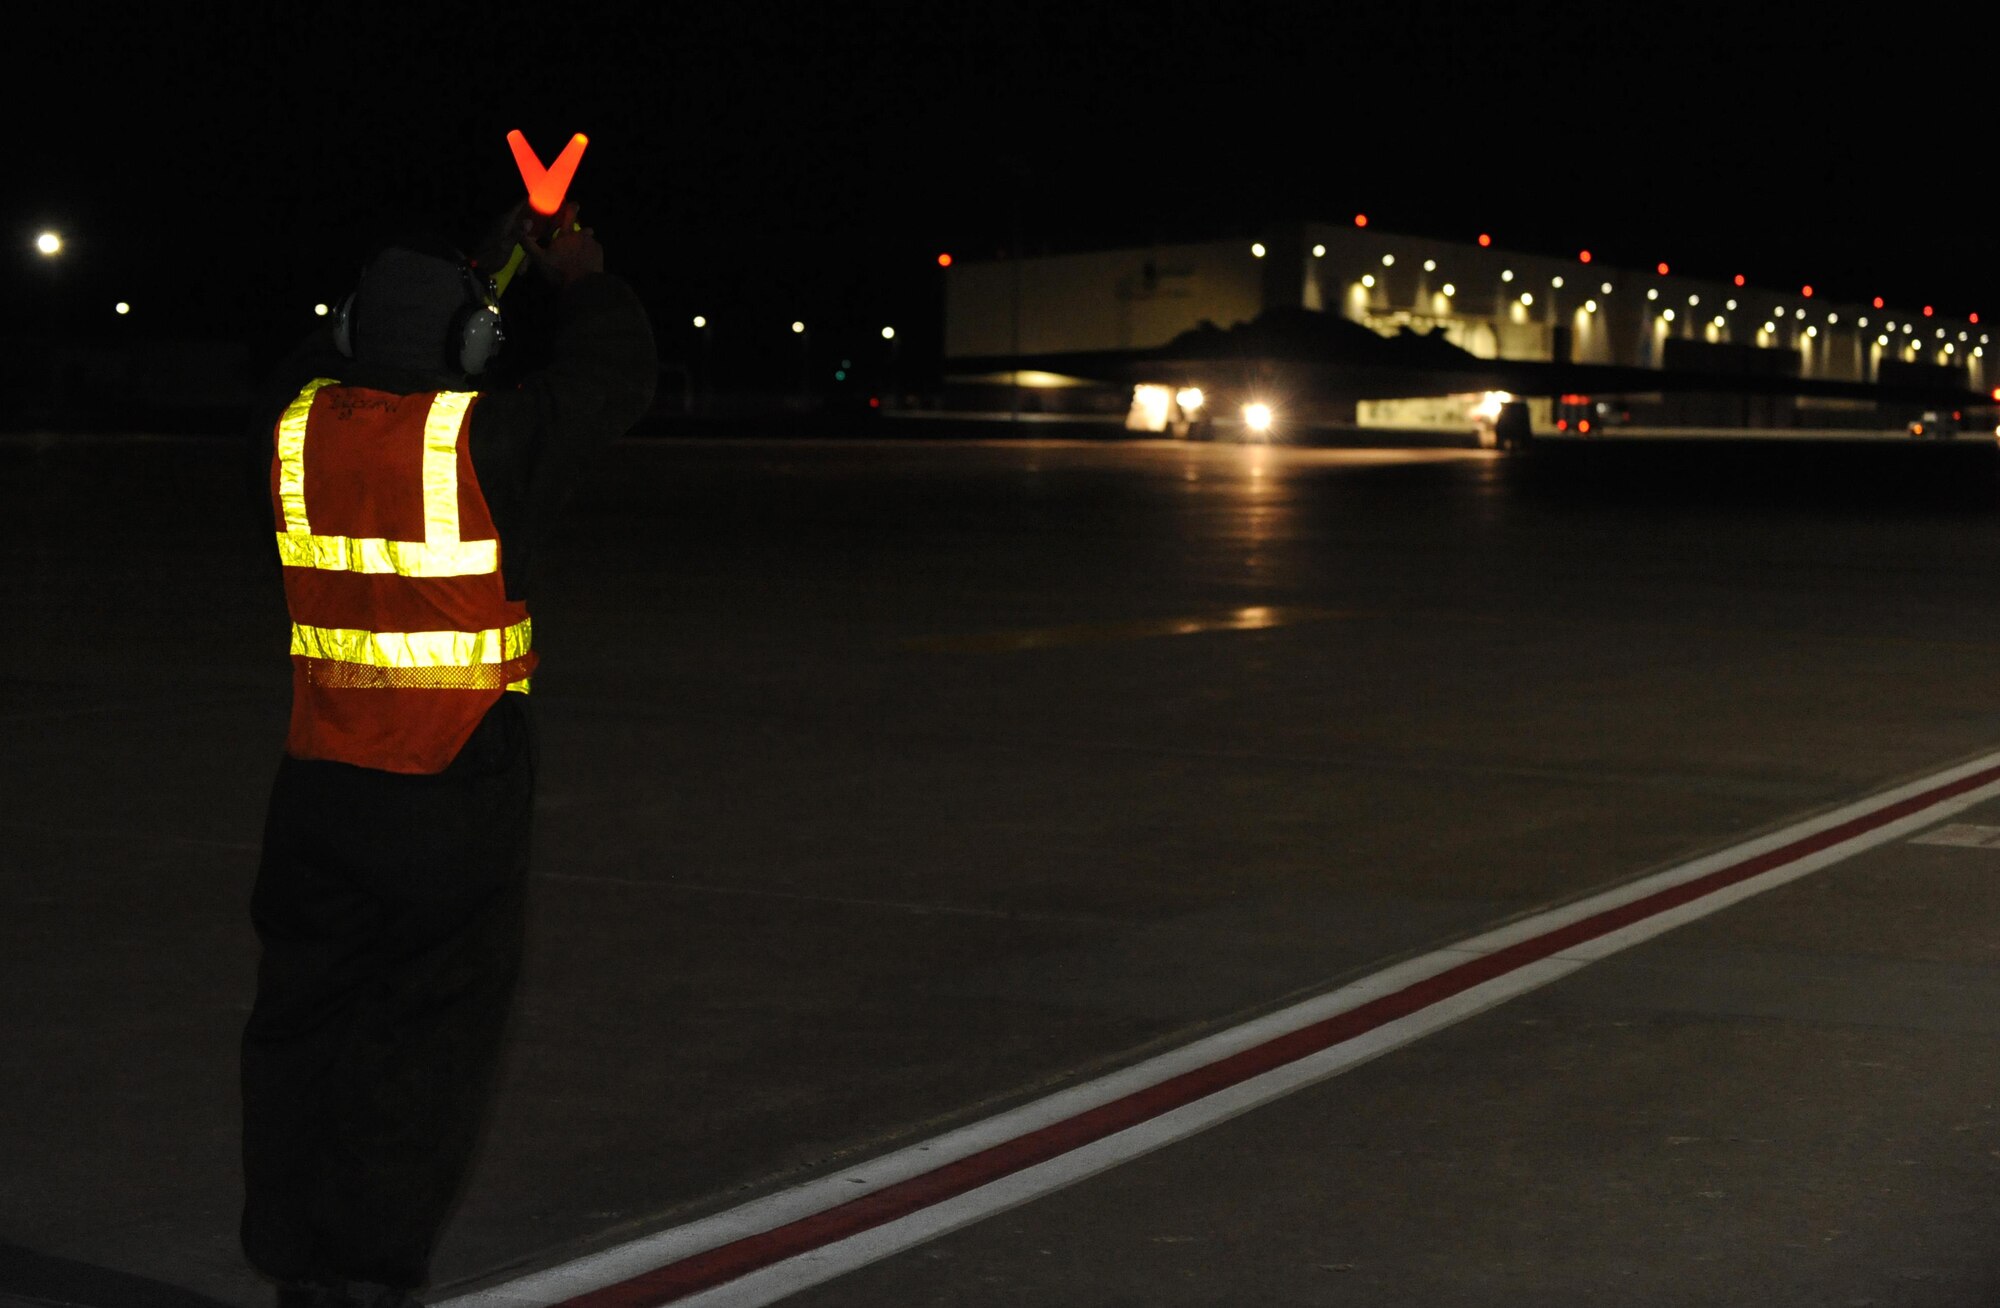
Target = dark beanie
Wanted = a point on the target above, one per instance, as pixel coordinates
(410, 292)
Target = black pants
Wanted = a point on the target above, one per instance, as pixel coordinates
(390, 909)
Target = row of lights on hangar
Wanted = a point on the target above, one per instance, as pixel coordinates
(1485, 240)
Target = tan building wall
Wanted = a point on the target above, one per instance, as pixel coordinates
(1103, 300)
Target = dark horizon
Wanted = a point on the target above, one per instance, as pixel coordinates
(765, 163)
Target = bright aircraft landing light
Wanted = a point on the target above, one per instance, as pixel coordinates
(1149, 407)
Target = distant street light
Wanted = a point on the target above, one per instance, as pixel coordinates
(49, 244)
(121, 308)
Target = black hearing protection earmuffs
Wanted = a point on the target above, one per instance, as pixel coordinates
(402, 288)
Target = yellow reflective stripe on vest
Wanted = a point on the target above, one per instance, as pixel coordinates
(441, 467)
(403, 557)
(414, 649)
(440, 554)
(291, 459)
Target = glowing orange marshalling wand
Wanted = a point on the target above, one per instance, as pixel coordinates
(546, 186)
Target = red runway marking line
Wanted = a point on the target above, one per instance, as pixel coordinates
(727, 1262)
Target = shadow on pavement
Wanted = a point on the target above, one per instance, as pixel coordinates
(34, 1280)
(1959, 476)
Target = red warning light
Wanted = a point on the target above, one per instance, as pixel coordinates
(1806, 291)
(1927, 311)
(1663, 270)
(1973, 319)
(1878, 301)
(1739, 279)
(1562, 424)
(1583, 256)
(1361, 220)
(1996, 394)
(944, 261)
(1485, 240)
(546, 186)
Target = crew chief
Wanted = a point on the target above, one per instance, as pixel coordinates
(414, 467)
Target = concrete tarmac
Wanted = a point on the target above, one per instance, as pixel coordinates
(888, 784)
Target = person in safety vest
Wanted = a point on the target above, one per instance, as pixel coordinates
(412, 475)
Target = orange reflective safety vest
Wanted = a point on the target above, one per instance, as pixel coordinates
(402, 633)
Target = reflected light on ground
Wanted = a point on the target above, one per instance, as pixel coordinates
(1256, 617)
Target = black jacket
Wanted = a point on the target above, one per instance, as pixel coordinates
(590, 372)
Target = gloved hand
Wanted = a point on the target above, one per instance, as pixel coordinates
(571, 251)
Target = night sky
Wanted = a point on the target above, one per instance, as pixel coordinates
(224, 166)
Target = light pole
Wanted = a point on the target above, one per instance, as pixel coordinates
(1014, 380)
(936, 379)
(46, 329)
(895, 373)
(707, 387)
(1015, 375)
(49, 247)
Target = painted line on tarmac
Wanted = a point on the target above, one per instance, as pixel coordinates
(762, 1251)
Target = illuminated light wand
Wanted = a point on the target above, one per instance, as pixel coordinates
(546, 188)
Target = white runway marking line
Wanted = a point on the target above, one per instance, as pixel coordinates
(1963, 834)
(1567, 938)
